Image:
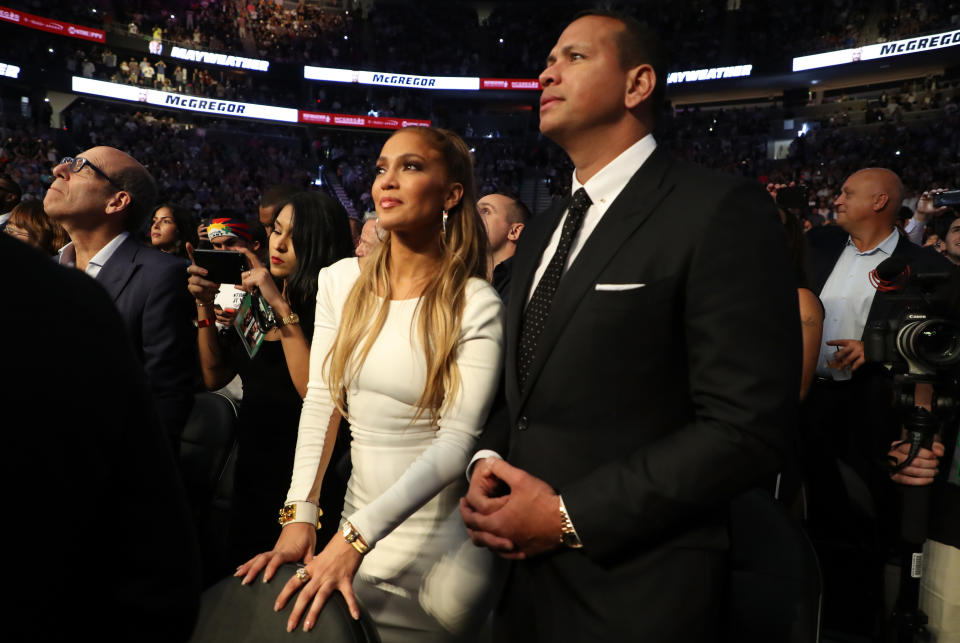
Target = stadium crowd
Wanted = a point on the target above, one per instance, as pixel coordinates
(263, 189)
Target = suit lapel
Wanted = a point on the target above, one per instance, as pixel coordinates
(638, 199)
(118, 270)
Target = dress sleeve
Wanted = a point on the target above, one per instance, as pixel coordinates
(480, 354)
(318, 405)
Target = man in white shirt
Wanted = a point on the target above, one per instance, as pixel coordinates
(847, 416)
(100, 198)
(652, 367)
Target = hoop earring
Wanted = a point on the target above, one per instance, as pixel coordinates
(381, 235)
(443, 222)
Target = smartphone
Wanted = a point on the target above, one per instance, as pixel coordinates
(948, 198)
(793, 197)
(223, 266)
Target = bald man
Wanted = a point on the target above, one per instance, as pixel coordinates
(100, 198)
(847, 416)
(504, 217)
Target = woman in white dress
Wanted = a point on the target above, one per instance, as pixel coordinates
(407, 345)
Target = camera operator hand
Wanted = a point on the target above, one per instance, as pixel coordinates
(924, 467)
(925, 208)
(849, 354)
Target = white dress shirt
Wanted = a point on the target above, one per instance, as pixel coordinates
(847, 297)
(602, 188)
(68, 255)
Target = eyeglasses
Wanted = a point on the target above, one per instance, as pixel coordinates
(17, 232)
(78, 163)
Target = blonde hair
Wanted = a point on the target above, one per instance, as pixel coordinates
(440, 306)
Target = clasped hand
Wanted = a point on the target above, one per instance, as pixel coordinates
(510, 511)
(331, 570)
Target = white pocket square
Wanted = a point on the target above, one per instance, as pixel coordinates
(616, 287)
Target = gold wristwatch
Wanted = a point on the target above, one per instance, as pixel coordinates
(352, 536)
(292, 318)
(568, 535)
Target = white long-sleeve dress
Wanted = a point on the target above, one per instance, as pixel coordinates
(424, 580)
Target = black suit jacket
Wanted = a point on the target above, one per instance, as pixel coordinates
(649, 408)
(149, 290)
(88, 471)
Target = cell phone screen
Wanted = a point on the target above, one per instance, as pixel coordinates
(223, 266)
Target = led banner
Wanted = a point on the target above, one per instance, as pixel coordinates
(211, 106)
(224, 60)
(51, 25)
(389, 80)
(510, 83)
(413, 81)
(377, 122)
(9, 71)
(879, 50)
(708, 74)
(232, 109)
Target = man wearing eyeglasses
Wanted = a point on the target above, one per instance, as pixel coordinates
(100, 197)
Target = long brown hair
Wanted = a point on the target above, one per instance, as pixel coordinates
(441, 305)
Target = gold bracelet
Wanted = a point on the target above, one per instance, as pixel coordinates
(308, 513)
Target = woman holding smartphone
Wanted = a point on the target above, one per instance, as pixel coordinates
(312, 231)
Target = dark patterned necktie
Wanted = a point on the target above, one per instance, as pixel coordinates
(535, 315)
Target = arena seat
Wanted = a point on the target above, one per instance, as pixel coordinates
(774, 585)
(235, 613)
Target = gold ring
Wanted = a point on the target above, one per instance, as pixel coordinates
(303, 574)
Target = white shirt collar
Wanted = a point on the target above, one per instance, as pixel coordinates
(604, 186)
(887, 246)
(68, 255)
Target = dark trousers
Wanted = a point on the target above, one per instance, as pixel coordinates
(846, 430)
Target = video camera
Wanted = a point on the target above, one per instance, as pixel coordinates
(915, 333)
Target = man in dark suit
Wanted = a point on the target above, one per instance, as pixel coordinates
(504, 217)
(100, 198)
(119, 561)
(652, 367)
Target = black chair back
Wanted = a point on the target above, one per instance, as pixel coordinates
(235, 613)
(208, 448)
(774, 586)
